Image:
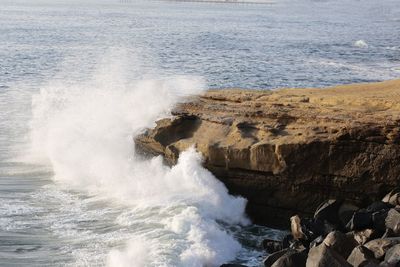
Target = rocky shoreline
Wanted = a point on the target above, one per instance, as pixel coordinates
(340, 234)
(288, 150)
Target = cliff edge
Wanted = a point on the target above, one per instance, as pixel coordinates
(288, 150)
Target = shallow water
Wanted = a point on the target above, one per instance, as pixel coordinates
(78, 80)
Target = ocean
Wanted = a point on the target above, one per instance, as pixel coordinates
(79, 79)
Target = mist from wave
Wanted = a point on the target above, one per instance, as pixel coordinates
(84, 131)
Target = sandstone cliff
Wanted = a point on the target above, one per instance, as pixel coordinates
(288, 150)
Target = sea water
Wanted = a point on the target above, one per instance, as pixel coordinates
(79, 79)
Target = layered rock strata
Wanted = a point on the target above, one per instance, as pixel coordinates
(288, 150)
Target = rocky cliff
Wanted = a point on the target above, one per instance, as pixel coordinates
(288, 150)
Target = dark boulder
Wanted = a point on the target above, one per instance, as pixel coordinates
(371, 217)
(316, 241)
(381, 245)
(298, 245)
(271, 259)
(393, 197)
(388, 233)
(392, 256)
(372, 263)
(328, 211)
(346, 211)
(392, 221)
(312, 228)
(378, 220)
(295, 227)
(360, 256)
(292, 258)
(378, 206)
(341, 243)
(360, 220)
(324, 256)
(364, 236)
(271, 246)
(287, 240)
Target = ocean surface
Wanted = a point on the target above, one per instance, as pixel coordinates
(78, 79)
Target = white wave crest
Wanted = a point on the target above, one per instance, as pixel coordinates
(84, 130)
(360, 44)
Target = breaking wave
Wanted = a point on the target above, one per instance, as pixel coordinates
(360, 44)
(85, 130)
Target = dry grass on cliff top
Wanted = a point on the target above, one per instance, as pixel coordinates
(370, 97)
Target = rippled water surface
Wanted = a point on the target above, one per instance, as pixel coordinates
(77, 80)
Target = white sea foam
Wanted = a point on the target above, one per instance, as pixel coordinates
(136, 254)
(360, 44)
(85, 132)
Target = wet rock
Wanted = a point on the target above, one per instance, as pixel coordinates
(298, 245)
(328, 245)
(381, 245)
(378, 206)
(359, 221)
(388, 233)
(392, 256)
(360, 256)
(292, 258)
(295, 225)
(317, 241)
(328, 211)
(312, 228)
(378, 220)
(323, 256)
(271, 246)
(346, 211)
(364, 236)
(392, 221)
(343, 244)
(372, 263)
(393, 197)
(287, 240)
(271, 259)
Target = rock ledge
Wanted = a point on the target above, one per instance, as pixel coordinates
(288, 150)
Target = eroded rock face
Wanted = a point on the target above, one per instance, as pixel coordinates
(286, 151)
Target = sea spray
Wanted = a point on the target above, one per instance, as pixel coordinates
(360, 44)
(84, 131)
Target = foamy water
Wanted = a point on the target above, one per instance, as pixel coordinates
(79, 80)
(85, 131)
(103, 204)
